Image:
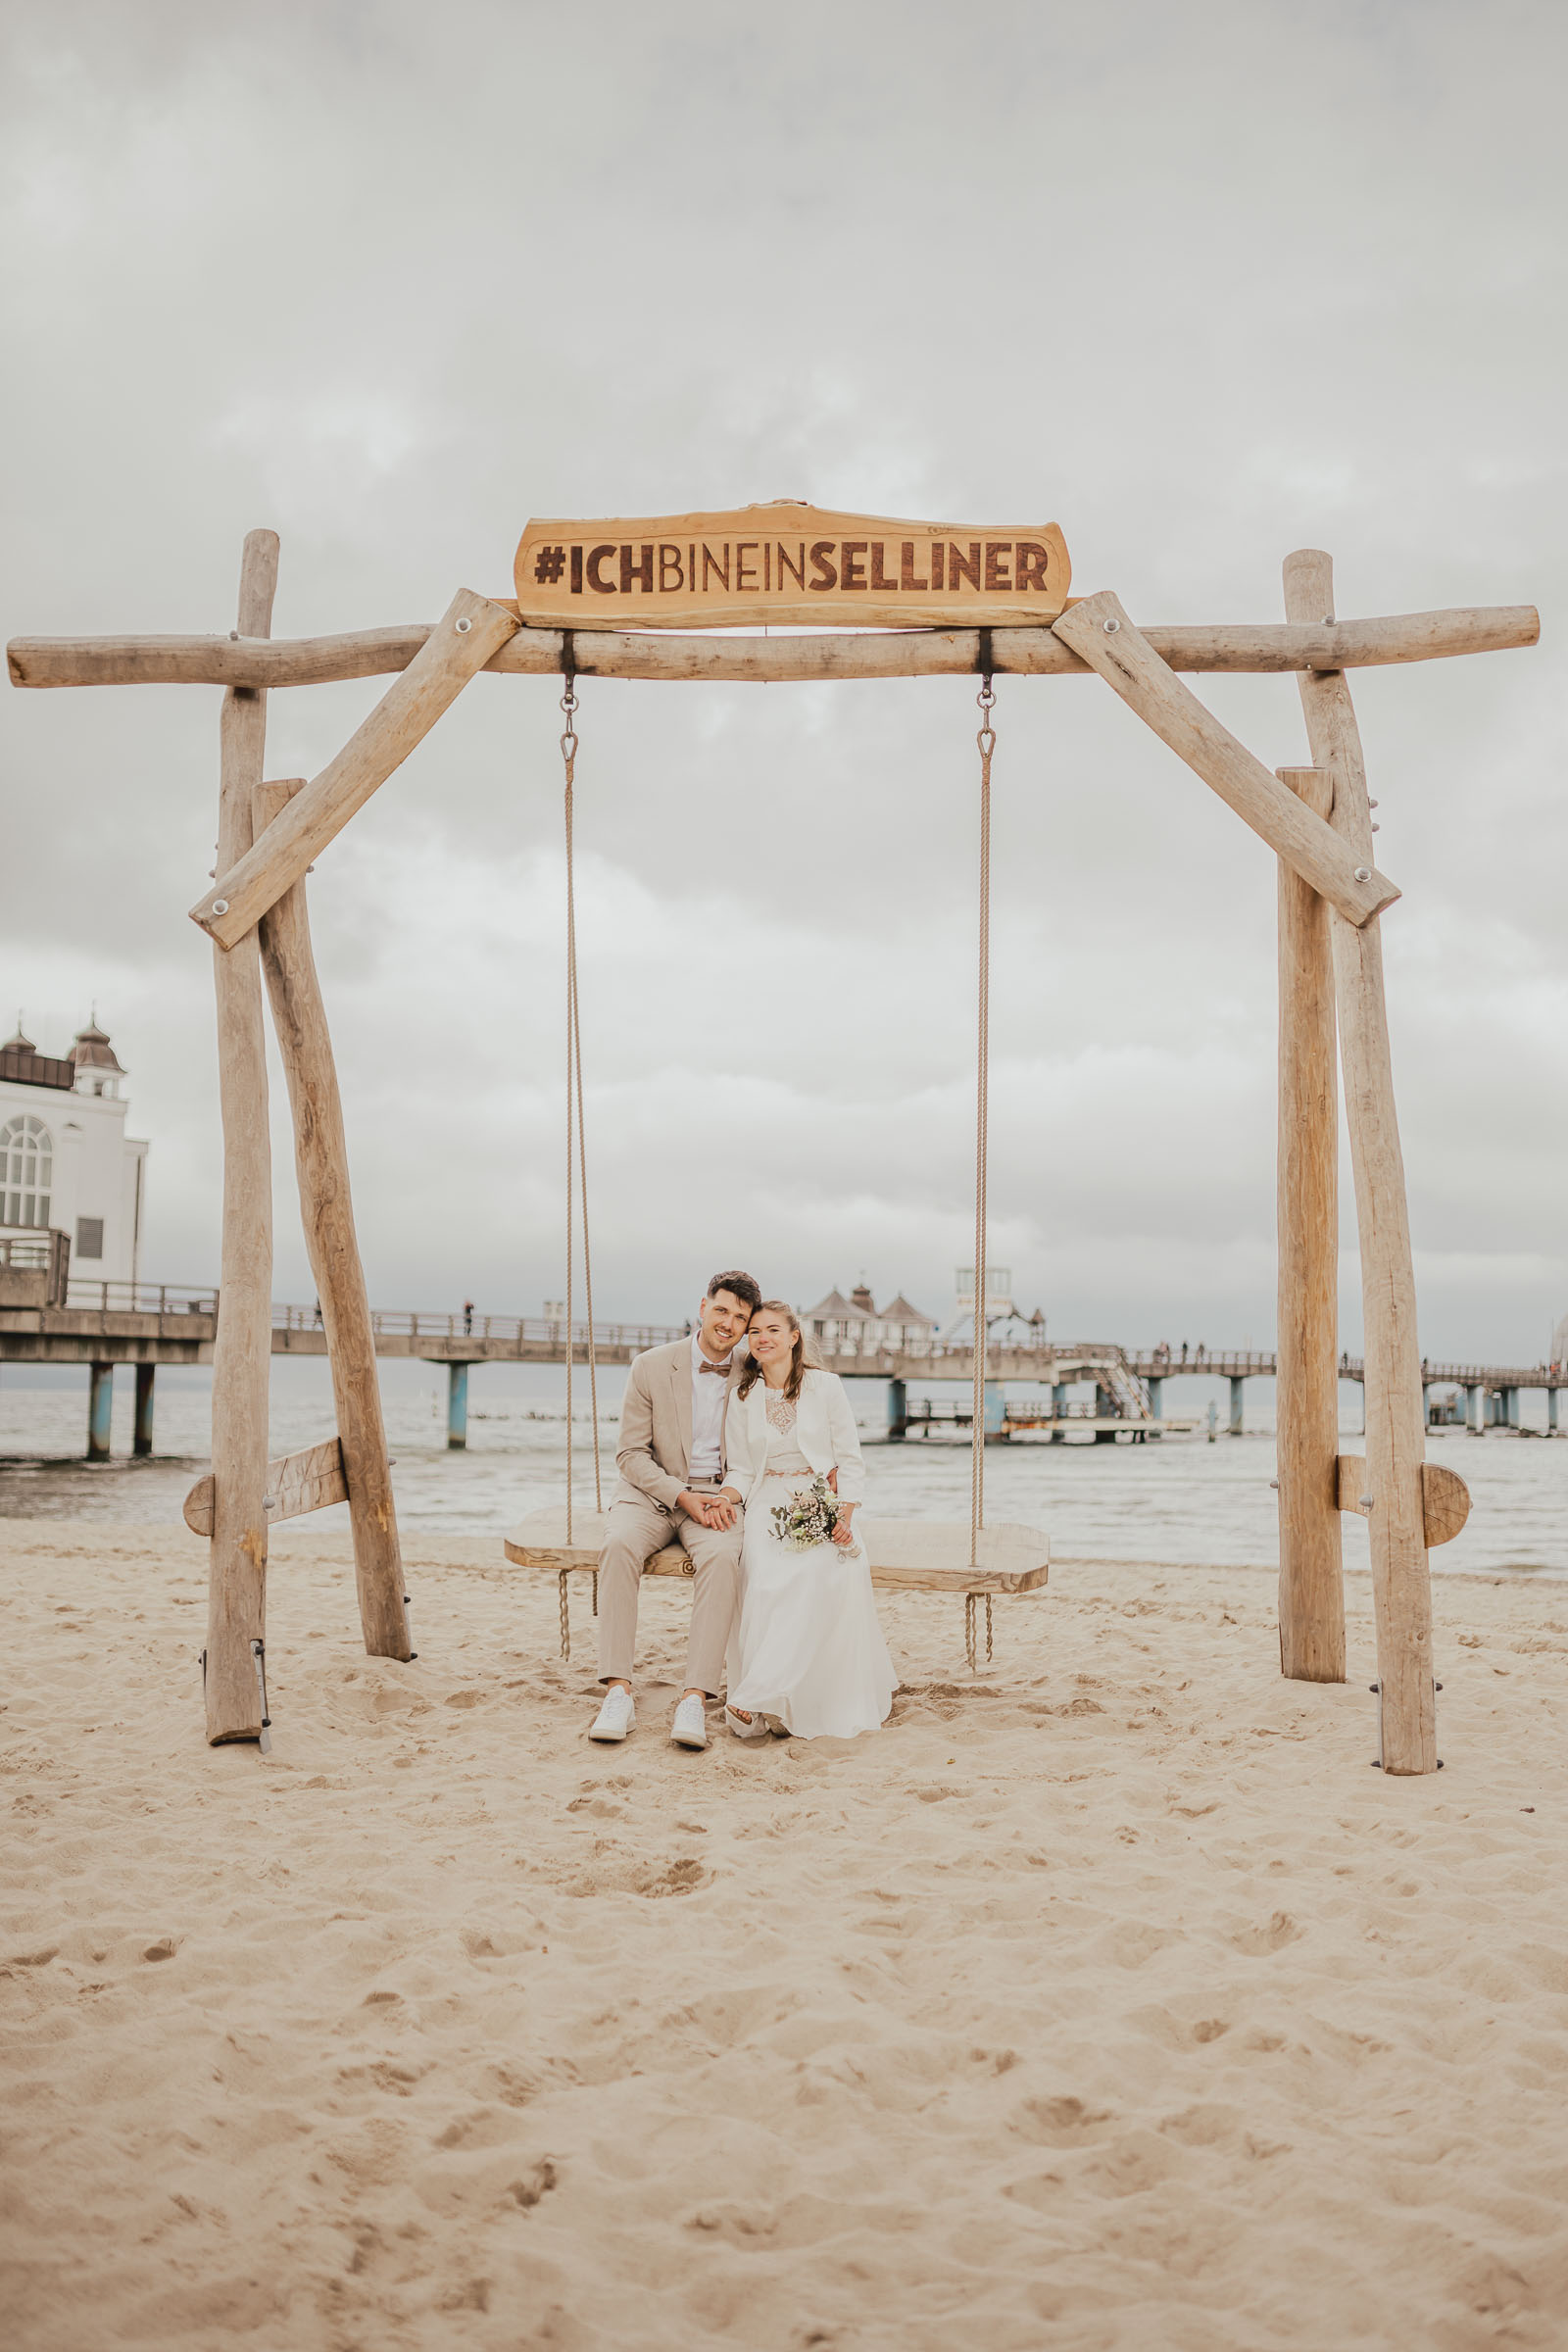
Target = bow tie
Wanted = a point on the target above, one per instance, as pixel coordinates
(721, 1369)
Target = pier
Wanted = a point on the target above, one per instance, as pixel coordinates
(47, 1320)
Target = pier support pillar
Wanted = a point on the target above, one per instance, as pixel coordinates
(1059, 1405)
(1510, 1408)
(1551, 1411)
(142, 1441)
(1237, 1386)
(1157, 1400)
(1426, 1404)
(1475, 1410)
(457, 1406)
(996, 1413)
(898, 1411)
(100, 1406)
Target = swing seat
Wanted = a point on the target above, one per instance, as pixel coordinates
(906, 1555)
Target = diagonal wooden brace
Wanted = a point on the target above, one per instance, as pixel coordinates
(1100, 633)
(462, 642)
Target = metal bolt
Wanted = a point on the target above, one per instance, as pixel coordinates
(1366, 1502)
(1363, 873)
(464, 626)
(1377, 829)
(1275, 1483)
(212, 873)
(1371, 803)
(220, 906)
(1110, 627)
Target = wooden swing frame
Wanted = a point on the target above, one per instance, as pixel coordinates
(1316, 819)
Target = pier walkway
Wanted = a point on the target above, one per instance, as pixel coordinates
(104, 1324)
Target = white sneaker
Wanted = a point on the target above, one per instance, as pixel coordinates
(616, 1717)
(756, 1729)
(690, 1726)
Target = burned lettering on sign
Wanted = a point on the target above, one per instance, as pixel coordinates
(786, 563)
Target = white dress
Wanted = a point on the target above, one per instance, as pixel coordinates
(809, 1648)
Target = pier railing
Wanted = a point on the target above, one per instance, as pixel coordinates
(506, 1331)
(138, 1299)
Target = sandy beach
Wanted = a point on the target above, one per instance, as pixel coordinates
(1107, 1999)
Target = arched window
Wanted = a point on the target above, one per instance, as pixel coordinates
(27, 1171)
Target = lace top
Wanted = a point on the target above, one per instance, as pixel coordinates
(784, 1457)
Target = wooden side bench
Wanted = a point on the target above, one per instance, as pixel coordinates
(906, 1555)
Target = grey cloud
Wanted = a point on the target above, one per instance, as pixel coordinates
(1199, 286)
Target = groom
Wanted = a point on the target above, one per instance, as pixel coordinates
(671, 1464)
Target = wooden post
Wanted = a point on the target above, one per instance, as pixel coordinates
(1312, 1603)
(1395, 1443)
(142, 1439)
(327, 1210)
(237, 1604)
(100, 1411)
(457, 1407)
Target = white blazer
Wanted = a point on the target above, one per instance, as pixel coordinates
(824, 1432)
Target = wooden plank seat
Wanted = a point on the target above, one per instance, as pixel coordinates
(907, 1555)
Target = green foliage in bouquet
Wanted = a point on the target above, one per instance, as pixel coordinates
(807, 1518)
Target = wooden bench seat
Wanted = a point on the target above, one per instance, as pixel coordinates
(907, 1555)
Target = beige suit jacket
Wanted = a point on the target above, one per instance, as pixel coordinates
(654, 1453)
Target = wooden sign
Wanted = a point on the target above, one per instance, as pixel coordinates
(790, 563)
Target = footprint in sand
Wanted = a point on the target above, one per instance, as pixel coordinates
(1280, 1930)
(1059, 2122)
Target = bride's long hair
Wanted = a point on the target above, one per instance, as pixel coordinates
(797, 1364)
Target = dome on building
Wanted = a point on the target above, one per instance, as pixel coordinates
(20, 1043)
(92, 1049)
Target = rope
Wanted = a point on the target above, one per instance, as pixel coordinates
(574, 1117)
(986, 741)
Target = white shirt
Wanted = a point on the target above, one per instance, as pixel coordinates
(709, 1397)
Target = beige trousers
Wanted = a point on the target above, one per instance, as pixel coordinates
(639, 1529)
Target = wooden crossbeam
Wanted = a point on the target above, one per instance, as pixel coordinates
(296, 1482)
(1034, 650)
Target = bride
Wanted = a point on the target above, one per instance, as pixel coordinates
(809, 1651)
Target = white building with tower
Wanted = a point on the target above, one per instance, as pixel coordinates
(66, 1164)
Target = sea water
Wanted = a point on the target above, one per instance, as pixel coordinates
(1181, 1499)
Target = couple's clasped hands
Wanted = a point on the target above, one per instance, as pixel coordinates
(718, 1510)
(709, 1510)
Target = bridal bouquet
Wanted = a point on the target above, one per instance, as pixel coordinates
(807, 1518)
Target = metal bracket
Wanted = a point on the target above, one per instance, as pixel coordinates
(1377, 1690)
(259, 1661)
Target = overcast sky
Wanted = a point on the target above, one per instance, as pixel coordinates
(1204, 284)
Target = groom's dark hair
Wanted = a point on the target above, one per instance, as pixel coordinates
(739, 1286)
